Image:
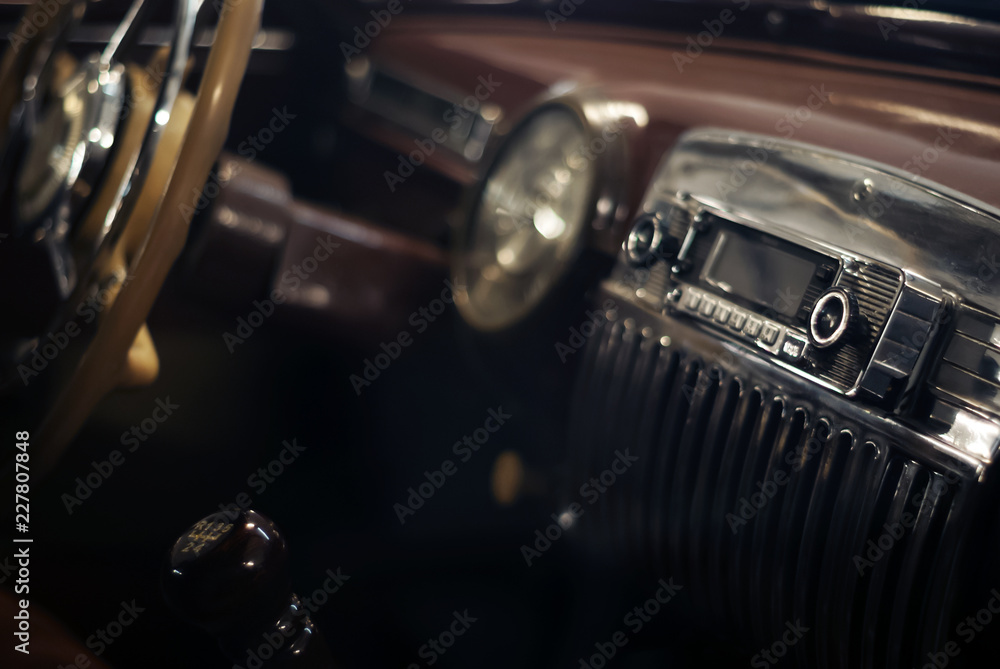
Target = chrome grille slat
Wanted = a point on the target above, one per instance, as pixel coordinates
(792, 525)
(762, 534)
(816, 536)
(706, 434)
(755, 464)
(650, 422)
(913, 566)
(639, 352)
(592, 418)
(907, 477)
(724, 490)
(721, 426)
(944, 562)
(678, 410)
(848, 532)
(685, 469)
(622, 346)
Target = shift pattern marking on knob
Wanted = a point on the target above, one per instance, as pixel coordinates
(230, 575)
(204, 533)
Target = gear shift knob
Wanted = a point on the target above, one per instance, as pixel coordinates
(230, 577)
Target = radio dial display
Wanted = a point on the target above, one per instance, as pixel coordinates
(760, 273)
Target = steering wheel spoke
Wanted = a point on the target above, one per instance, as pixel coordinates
(97, 176)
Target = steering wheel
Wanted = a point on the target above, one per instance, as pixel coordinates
(102, 160)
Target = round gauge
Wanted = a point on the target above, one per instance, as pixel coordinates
(528, 224)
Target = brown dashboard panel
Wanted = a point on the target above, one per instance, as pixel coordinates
(377, 278)
(333, 274)
(940, 126)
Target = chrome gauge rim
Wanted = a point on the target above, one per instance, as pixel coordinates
(543, 194)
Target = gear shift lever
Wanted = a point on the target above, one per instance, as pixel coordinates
(230, 577)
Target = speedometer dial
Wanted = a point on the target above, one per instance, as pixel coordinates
(528, 224)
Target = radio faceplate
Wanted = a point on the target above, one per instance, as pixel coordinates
(764, 289)
(835, 269)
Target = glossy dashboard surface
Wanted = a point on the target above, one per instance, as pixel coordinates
(882, 112)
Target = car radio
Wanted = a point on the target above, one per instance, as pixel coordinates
(825, 286)
(853, 324)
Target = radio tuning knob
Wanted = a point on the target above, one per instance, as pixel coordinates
(647, 240)
(644, 239)
(835, 319)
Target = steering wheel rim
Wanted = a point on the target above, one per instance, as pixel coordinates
(146, 185)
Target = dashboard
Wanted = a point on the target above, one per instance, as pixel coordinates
(794, 325)
(648, 333)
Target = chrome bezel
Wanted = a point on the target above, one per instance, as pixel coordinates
(631, 249)
(839, 295)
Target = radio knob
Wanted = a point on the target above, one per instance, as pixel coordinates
(835, 319)
(644, 239)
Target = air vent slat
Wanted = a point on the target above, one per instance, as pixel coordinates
(851, 589)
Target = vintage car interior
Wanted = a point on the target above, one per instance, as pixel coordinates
(500, 333)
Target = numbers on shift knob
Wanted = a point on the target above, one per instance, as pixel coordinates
(203, 533)
(230, 576)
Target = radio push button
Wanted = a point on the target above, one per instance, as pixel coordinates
(753, 326)
(737, 320)
(693, 300)
(793, 348)
(769, 334)
(707, 307)
(722, 313)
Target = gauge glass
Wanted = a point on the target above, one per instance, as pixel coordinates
(528, 225)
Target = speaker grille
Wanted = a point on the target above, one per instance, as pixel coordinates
(769, 508)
